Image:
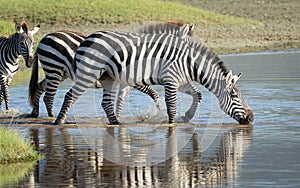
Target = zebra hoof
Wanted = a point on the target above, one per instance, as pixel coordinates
(8, 110)
(115, 123)
(34, 114)
(59, 122)
(184, 119)
(51, 114)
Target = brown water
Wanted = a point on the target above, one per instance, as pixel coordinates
(145, 153)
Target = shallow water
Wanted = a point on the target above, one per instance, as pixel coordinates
(144, 152)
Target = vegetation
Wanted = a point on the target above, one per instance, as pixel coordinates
(14, 172)
(99, 12)
(6, 28)
(13, 148)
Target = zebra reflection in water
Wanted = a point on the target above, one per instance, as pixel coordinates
(68, 161)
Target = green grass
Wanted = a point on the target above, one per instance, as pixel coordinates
(99, 12)
(14, 172)
(6, 28)
(13, 148)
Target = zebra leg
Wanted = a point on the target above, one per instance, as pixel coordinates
(48, 100)
(40, 90)
(49, 96)
(197, 97)
(4, 91)
(109, 95)
(68, 102)
(171, 99)
(122, 96)
(147, 89)
(1, 95)
(71, 96)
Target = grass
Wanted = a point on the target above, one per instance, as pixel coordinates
(6, 28)
(13, 148)
(14, 172)
(98, 12)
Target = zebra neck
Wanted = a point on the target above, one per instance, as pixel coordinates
(213, 83)
(11, 48)
(209, 71)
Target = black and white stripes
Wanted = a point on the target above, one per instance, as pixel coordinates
(18, 44)
(139, 59)
(56, 52)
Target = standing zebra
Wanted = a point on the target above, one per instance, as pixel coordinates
(56, 52)
(20, 43)
(136, 59)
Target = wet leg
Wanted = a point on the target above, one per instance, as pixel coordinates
(71, 96)
(197, 97)
(109, 94)
(49, 96)
(171, 100)
(147, 89)
(40, 90)
(122, 96)
(4, 91)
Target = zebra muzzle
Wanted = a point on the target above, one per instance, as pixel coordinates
(249, 117)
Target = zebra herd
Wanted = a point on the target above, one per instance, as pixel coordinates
(160, 54)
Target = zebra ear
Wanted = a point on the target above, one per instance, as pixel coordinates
(35, 30)
(19, 29)
(229, 77)
(232, 79)
(235, 78)
(183, 31)
(192, 27)
(186, 29)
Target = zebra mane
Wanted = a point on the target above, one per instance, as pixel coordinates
(200, 46)
(158, 28)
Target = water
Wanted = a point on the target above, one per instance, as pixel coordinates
(151, 154)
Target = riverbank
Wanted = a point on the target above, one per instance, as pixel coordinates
(14, 149)
(277, 27)
(280, 28)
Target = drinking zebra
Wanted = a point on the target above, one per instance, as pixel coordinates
(136, 59)
(20, 43)
(56, 52)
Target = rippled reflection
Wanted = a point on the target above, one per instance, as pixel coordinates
(71, 160)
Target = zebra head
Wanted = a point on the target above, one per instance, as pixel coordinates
(232, 101)
(25, 40)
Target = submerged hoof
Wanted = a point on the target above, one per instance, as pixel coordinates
(59, 122)
(115, 123)
(183, 119)
(7, 111)
(34, 115)
(51, 114)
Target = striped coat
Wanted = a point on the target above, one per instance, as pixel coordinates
(136, 59)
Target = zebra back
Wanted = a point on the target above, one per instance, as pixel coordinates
(177, 28)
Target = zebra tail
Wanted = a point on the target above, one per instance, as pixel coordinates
(33, 84)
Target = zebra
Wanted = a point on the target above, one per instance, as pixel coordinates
(56, 52)
(20, 43)
(137, 59)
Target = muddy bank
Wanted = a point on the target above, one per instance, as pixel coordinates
(280, 27)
